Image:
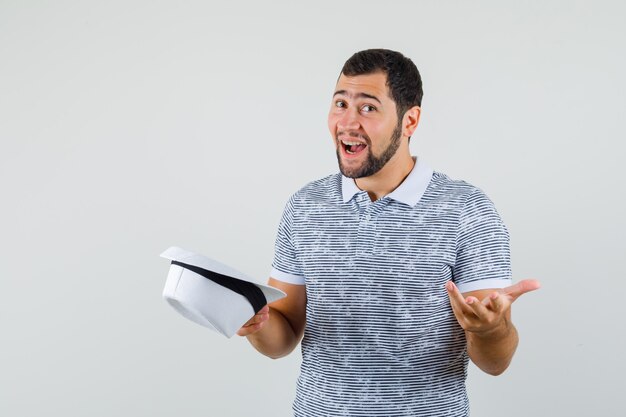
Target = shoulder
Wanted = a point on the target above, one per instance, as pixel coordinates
(444, 188)
(458, 196)
(324, 190)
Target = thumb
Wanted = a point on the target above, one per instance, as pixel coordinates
(522, 287)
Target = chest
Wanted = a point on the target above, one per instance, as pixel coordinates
(378, 270)
(407, 242)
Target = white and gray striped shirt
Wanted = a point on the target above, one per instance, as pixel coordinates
(380, 336)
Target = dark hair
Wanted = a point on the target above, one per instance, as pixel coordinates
(403, 78)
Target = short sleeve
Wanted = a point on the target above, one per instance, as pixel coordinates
(483, 257)
(286, 266)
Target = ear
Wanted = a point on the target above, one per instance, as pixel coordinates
(410, 120)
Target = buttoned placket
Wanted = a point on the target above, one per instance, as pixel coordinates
(368, 216)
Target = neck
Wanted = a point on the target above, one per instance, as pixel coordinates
(389, 177)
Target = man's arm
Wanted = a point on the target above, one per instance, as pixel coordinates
(278, 328)
(485, 315)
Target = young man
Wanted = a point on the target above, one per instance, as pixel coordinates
(395, 275)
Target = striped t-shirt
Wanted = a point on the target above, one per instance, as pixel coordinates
(380, 336)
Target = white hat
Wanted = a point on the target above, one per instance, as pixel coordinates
(212, 294)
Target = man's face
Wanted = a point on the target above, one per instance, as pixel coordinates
(364, 123)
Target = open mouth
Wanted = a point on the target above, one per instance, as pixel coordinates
(353, 148)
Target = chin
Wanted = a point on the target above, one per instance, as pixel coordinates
(350, 169)
(351, 172)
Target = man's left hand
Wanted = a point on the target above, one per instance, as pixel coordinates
(489, 314)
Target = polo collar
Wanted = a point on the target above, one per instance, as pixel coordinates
(410, 191)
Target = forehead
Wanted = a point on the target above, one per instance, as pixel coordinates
(372, 84)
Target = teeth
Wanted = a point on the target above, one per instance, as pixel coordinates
(352, 143)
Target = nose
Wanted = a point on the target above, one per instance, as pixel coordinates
(349, 120)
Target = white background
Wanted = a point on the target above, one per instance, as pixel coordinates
(130, 126)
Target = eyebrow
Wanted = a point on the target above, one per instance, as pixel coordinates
(357, 95)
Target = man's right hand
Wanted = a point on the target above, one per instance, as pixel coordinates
(282, 323)
(255, 323)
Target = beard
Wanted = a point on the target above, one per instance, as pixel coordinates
(373, 163)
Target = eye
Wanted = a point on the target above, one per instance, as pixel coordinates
(368, 108)
(340, 103)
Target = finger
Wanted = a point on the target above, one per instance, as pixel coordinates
(258, 318)
(248, 330)
(522, 287)
(461, 311)
(478, 308)
(497, 302)
(493, 300)
(255, 323)
(459, 306)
